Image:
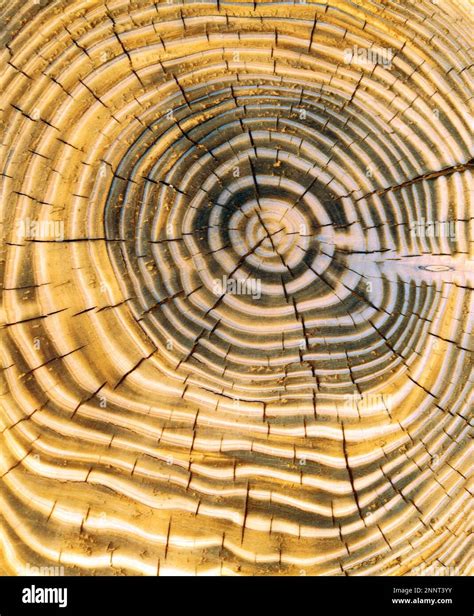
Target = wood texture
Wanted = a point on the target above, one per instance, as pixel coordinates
(230, 343)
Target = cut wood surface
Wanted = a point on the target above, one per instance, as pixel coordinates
(237, 273)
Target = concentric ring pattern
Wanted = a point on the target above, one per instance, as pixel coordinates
(237, 287)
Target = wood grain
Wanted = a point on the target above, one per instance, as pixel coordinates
(230, 344)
